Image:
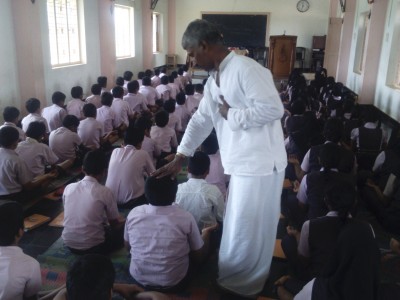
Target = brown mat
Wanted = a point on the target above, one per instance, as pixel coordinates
(34, 221)
(278, 252)
(58, 221)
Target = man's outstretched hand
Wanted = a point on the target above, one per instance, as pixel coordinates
(171, 169)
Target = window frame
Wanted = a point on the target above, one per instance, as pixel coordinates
(131, 33)
(156, 21)
(362, 35)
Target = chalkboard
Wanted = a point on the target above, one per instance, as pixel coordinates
(248, 31)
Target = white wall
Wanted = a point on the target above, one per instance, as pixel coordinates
(283, 17)
(159, 58)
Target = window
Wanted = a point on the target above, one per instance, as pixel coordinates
(156, 32)
(361, 40)
(393, 63)
(64, 34)
(124, 31)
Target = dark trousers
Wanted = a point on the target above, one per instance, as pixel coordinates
(134, 202)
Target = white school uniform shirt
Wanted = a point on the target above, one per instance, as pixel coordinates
(95, 100)
(107, 117)
(253, 119)
(155, 81)
(174, 122)
(203, 200)
(20, 131)
(33, 118)
(183, 114)
(90, 131)
(162, 75)
(88, 205)
(64, 142)
(137, 102)
(179, 83)
(188, 76)
(103, 90)
(216, 175)
(19, 274)
(150, 93)
(13, 172)
(198, 96)
(126, 171)
(164, 91)
(165, 137)
(122, 111)
(36, 155)
(174, 90)
(74, 107)
(150, 146)
(54, 115)
(191, 103)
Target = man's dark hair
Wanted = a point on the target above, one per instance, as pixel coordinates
(133, 86)
(199, 163)
(90, 277)
(58, 97)
(102, 80)
(164, 80)
(162, 191)
(94, 162)
(36, 130)
(161, 118)
(140, 75)
(189, 89)
(133, 136)
(128, 75)
(32, 105)
(118, 91)
(96, 89)
(76, 92)
(143, 123)
(106, 98)
(181, 98)
(169, 106)
(89, 110)
(201, 31)
(11, 221)
(120, 81)
(210, 145)
(70, 121)
(8, 136)
(10, 113)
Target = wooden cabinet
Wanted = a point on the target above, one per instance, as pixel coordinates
(282, 54)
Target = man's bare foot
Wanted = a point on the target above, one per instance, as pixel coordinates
(395, 246)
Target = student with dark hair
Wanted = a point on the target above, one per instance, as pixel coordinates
(90, 130)
(148, 144)
(121, 83)
(174, 87)
(127, 169)
(156, 80)
(168, 235)
(95, 98)
(177, 81)
(148, 73)
(163, 89)
(198, 91)
(121, 108)
(33, 107)
(203, 200)
(74, 106)
(182, 112)
(192, 103)
(182, 78)
(85, 204)
(64, 141)
(102, 81)
(164, 136)
(163, 72)
(136, 101)
(174, 121)
(105, 114)
(140, 77)
(55, 113)
(19, 273)
(149, 92)
(11, 116)
(127, 78)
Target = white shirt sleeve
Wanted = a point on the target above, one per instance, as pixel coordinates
(302, 193)
(34, 284)
(306, 292)
(380, 159)
(305, 164)
(303, 247)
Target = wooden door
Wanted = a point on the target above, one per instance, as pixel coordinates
(282, 54)
(333, 46)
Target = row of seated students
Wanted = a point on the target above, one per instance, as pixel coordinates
(332, 254)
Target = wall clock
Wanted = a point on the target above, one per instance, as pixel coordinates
(303, 5)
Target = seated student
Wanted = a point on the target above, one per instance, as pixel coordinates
(163, 89)
(148, 144)
(203, 200)
(148, 73)
(102, 81)
(216, 175)
(87, 205)
(95, 98)
(386, 163)
(182, 78)
(370, 134)
(92, 276)
(120, 82)
(105, 114)
(156, 80)
(64, 141)
(15, 177)
(140, 76)
(127, 78)
(90, 130)
(174, 87)
(121, 108)
(127, 168)
(74, 106)
(136, 101)
(163, 72)
(177, 81)
(186, 74)
(10, 116)
(33, 107)
(191, 102)
(19, 273)
(55, 113)
(181, 110)
(174, 121)
(198, 91)
(148, 91)
(164, 136)
(161, 238)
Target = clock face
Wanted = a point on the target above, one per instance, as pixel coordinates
(303, 5)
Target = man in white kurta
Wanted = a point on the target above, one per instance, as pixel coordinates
(242, 104)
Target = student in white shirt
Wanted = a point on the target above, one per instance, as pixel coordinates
(55, 113)
(136, 101)
(127, 78)
(174, 121)
(163, 72)
(121, 109)
(149, 92)
(127, 169)
(181, 111)
(87, 206)
(90, 130)
(203, 200)
(174, 87)
(105, 114)
(33, 107)
(192, 103)
(187, 74)
(182, 78)
(163, 89)
(177, 81)
(74, 107)
(140, 77)
(95, 98)
(164, 136)
(198, 91)
(11, 116)
(121, 82)
(156, 80)
(19, 273)
(148, 144)
(102, 81)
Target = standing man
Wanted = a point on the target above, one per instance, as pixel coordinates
(242, 104)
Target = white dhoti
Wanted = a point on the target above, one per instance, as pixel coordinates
(249, 233)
